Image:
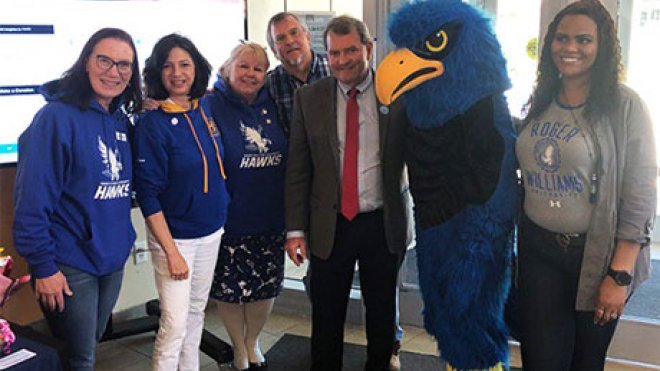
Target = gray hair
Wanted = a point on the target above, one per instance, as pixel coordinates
(344, 25)
(240, 49)
(277, 18)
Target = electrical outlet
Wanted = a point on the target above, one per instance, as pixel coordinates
(141, 256)
(140, 252)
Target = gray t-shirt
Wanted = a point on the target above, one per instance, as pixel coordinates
(557, 157)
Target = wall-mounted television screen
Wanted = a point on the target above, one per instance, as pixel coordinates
(42, 39)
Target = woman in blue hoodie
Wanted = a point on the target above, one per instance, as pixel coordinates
(73, 191)
(251, 263)
(179, 180)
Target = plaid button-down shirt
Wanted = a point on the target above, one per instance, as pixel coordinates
(283, 85)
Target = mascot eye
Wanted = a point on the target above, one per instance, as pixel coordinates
(440, 43)
(437, 41)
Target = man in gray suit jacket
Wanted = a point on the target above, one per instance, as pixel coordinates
(346, 195)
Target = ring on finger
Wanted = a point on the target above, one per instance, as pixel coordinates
(614, 316)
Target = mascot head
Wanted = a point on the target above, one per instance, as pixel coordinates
(447, 58)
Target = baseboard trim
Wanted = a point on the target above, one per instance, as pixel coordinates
(626, 362)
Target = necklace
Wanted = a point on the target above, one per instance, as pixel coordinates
(594, 179)
(587, 142)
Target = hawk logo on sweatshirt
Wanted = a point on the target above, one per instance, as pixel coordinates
(115, 188)
(111, 161)
(255, 140)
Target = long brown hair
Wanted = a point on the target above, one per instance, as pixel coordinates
(75, 87)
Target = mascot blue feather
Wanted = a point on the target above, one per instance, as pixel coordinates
(451, 74)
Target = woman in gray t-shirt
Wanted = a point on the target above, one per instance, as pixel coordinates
(587, 161)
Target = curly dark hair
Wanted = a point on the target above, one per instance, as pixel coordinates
(75, 87)
(154, 66)
(606, 72)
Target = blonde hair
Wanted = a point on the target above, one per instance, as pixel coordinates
(240, 49)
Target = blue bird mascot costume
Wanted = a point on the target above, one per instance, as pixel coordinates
(449, 70)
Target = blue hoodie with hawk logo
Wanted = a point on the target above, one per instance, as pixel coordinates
(179, 170)
(73, 188)
(255, 147)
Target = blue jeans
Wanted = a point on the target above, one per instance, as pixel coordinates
(85, 314)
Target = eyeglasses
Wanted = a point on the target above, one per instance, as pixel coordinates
(106, 63)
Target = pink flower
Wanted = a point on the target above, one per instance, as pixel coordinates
(7, 336)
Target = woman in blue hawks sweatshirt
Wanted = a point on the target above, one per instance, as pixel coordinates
(179, 180)
(73, 191)
(250, 267)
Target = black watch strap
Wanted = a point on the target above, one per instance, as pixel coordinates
(621, 278)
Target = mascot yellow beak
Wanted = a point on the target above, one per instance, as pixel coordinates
(401, 71)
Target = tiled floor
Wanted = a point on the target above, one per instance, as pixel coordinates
(133, 353)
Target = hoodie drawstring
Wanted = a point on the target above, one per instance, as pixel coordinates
(201, 151)
(215, 144)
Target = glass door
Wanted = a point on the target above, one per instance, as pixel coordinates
(638, 335)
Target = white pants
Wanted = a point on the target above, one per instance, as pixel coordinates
(182, 302)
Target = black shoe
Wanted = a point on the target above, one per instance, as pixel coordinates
(231, 367)
(261, 366)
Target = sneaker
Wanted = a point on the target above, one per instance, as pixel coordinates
(395, 362)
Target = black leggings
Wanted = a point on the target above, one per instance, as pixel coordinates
(554, 336)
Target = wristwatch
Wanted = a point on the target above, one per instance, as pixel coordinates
(621, 278)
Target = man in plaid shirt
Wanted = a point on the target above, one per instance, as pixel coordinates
(289, 39)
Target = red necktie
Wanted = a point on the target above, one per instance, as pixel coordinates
(349, 186)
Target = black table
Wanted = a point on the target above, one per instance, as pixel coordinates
(46, 358)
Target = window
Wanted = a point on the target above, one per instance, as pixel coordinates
(517, 29)
(639, 30)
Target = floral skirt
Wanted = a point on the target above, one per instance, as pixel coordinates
(249, 268)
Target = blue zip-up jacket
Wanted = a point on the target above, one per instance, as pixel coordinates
(170, 171)
(256, 148)
(73, 189)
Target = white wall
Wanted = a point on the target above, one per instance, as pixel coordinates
(138, 286)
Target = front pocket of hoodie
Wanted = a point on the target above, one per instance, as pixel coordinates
(105, 259)
(179, 210)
